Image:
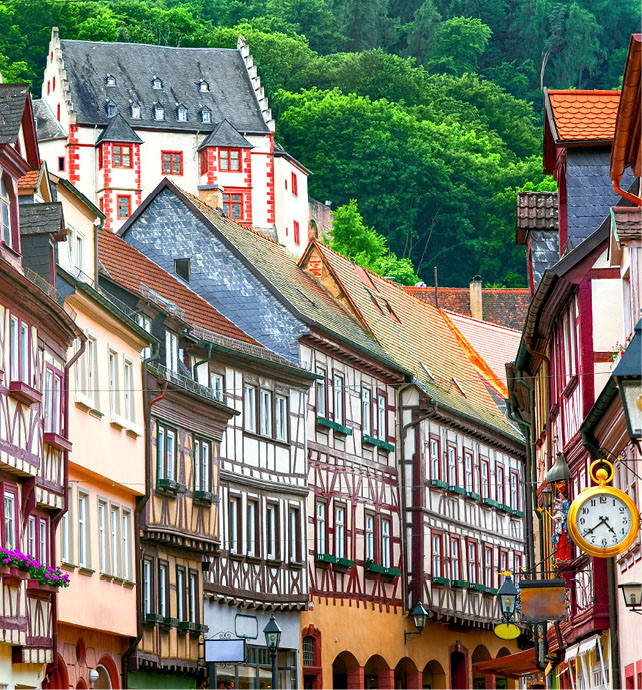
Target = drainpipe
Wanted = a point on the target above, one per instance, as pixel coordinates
(627, 195)
(141, 502)
(65, 504)
(202, 361)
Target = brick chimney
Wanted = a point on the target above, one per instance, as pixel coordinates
(476, 303)
(211, 194)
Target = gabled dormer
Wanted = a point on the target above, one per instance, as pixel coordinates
(224, 150)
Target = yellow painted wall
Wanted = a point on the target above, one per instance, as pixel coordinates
(19, 675)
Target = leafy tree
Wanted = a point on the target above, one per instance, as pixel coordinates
(422, 31)
(311, 18)
(458, 45)
(354, 239)
(365, 23)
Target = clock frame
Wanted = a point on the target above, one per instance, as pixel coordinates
(602, 477)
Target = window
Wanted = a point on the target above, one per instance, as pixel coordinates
(320, 527)
(64, 537)
(53, 83)
(61, 164)
(339, 532)
(83, 550)
(157, 83)
(570, 347)
(112, 109)
(130, 411)
(114, 386)
(147, 585)
(437, 553)
(217, 384)
(31, 536)
(122, 156)
(124, 205)
(126, 574)
(102, 536)
(203, 165)
(202, 473)
(58, 112)
(110, 80)
(455, 559)
(369, 537)
(146, 324)
(271, 531)
(48, 399)
(382, 426)
(484, 478)
(472, 561)
(321, 393)
(488, 566)
(234, 525)
(159, 113)
(366, 411)
(206, 116)
(308, 650)
(435, 460)
(499, 482)
(514, 490)
(452, 465)
(5, 213)
(295, 185)
(25, 354)
(135, 111)
(230, 160)
(233, 205)
(163, 589)
(172, 162)
(10, 536)
(517, 566)
(266, 413)
(252, 527)
(503, 563)
(193, 597)
(469, 477)
(165, 451)
(281, 418)
(386, 555)
(171, 351)
(203, 86)
(100, 165)
(113, 539)
(181, 593)
(43, 541)
(20, 351)
(338, 399)
(294, 534)
(297, 232)
(182, 269)
(181, 114)
(249, 408)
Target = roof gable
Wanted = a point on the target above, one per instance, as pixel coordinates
(576, 117)
(119, 130)
(225, 135)
(48, 128)
(16, 118)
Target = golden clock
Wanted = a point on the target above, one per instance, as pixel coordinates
(603, 521)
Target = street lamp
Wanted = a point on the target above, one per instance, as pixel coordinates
(628, 377)
(508, 597)
(560, 472)
(272, 633)
(420, 616)
(632, 593)
(547, 498)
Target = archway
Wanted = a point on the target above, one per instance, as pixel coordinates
(346, 672)
(109, 677)
(458, 670)
(377, 674)
(480, 681)
(407, 675)
(57, 677)
(501, 682)
(81, 684)
(434, 676)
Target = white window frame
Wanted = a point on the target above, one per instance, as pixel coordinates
(83, 530)
(43, 540)
(321, 393)
(281, 418)
(114, 384)
(382, 417)
(366, 411)
(171, 351)
(266, 412)
(249, 408)
(130, 403)
(147, 586)
(114, 539)
(125, 539)
(163, 588)
(251, 511)
(386, 543)
(293, 528)
(270, 530)
(102, 536)
(217, 384)
(369, 537)
(338, 381)
(233, 536)
(339, 531)
(31, 536)
(320, 527)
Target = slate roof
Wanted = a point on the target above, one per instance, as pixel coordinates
(502, 306)
(582, 116)
(628, 223)
(47, 127)
(225, 135)
(13, 99)
(417, 336)
(536, 211)
(119, 130)
(129, 268)
(40, 219)
(230, 96)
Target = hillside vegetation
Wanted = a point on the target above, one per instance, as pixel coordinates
(426, 114)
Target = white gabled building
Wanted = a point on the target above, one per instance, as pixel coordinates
(116, 118)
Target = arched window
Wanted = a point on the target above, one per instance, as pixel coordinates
(157, 83)
(203, 85)
(308, 650)
(7, 213)
(135, 111)
(206, 116)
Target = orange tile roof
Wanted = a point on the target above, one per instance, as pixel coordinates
(414, 333)
(129, 268)
(583, 115)
(29, 180)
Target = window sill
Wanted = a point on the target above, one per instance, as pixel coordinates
(203, 498)
(263, 437)
(236, 556)
(438, 484)
(170, 487)
(57, 441)
(86, 403)
(253, 559)
(106, 576)
(296, 565)
(24, 393)
(84, 570)
(134, 430)
(273, 561)
(117, 421)
(335, 426)
(68, 566)
(454, 489)
(378, 443)
(570, 386)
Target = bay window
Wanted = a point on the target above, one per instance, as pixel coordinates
(230, 160)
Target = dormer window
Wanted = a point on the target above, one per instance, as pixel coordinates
(206, 116)
(135, 112)
(159, 112)
(181, 113)
(157, 83)
(171, 351)
(112, 109)
(203, 85)
(110, 80)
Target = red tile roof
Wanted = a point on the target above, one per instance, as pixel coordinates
(505, 307)
(29, 180)
(129, 268)
(584, 115)
(536, 211)
(628, 223)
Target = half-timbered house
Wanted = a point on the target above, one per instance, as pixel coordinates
(35, 330)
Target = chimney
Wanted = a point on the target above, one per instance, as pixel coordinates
(211, 194)
(476, 307)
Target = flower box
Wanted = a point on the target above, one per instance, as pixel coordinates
(203, 497)
(153, 618)
(169, 622)
(326, 558)
(491, 590)
(373, 567)
(24, 393)
(504, 508)
(456, 490)
(36, 586)
(186, 626)
(438, 484)
(490, 502)
(57, 441)
(460, 584)
(476, 587)
(473, 496)
(392, 572)
(202, 628)
(343, 563)
(517, 513)
(167, 486)
(440, 581)
(379, 443)
(330, 424)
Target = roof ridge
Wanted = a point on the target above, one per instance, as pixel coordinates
(149, 45)
(490, 324)
(586, 92)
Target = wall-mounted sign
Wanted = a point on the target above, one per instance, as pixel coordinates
(225, 651)
(543, 600)
(246, 626)
(507, 631)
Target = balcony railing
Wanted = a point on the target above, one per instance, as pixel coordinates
(49, 290)
(162, 372)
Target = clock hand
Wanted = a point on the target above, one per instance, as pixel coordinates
(594, 527)
(606, 522)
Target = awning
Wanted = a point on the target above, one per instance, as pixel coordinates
(588, 645)
(571, 652)
(511, 666)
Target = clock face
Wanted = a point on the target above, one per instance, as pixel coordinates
(603, 521)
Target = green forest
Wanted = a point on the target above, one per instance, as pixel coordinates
(419, 118)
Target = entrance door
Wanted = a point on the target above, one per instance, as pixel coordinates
(458, 671)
